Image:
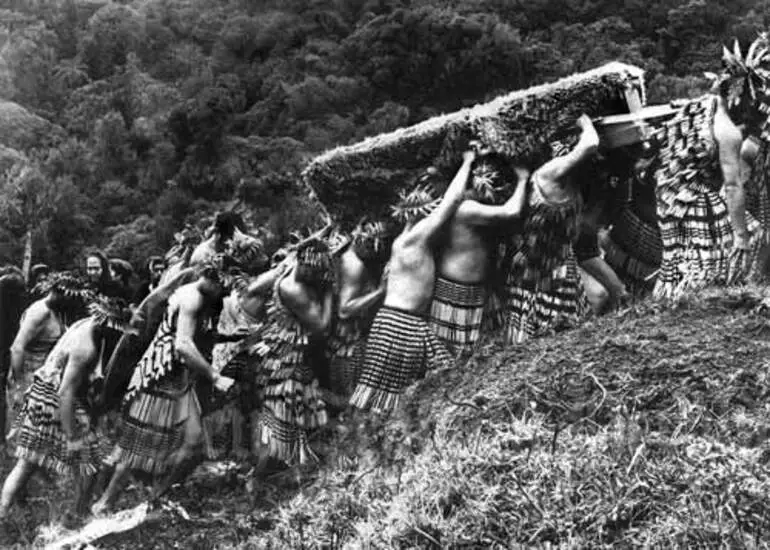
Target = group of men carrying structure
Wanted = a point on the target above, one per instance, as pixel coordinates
(265, 352)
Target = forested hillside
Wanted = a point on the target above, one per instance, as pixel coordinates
(121, 121)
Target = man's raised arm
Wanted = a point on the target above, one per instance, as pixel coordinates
(476, 213)
(430, 225)
(556, 168)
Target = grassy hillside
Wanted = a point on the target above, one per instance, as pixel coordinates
(648, 428)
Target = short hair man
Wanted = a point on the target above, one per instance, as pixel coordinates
(361, 291)
(156, 265)
(401, 346)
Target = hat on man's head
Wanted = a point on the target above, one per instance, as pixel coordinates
(314, 261)
(371, 241)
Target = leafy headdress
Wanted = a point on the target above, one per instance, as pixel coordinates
(66, 284)
(111, 313)
(415, 205)
(370, 241)
(185, 242)
(490, 184)
(242, 259)
(744, 80)
(314, 258)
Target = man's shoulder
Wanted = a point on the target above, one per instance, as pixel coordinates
(187, 296)
(351, 263)
(82, 341)
(38, 309)
(726, 132)
(293, 294)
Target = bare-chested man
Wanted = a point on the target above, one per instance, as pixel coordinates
(460, 295)
(56, 431)
(162, 432)
(401, 346)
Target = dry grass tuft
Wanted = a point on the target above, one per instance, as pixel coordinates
(642, 429)
(647, 428)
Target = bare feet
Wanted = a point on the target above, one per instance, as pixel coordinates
(100, 508)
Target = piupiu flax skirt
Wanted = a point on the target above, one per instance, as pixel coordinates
(400, 349)
(153, 424)
(457, 313)
(41, 440)
(533, 312)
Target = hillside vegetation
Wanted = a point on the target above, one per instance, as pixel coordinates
(647, 428)
(147, 114)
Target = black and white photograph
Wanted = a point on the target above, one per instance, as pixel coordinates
(384, 274)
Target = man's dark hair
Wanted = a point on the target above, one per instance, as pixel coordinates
(155, 260)
(123, 268)
(39, 269)
(226, 223)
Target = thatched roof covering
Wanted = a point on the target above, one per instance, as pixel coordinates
(365, 177)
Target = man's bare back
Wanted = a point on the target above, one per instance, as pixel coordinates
(412, 265)
(412, 274)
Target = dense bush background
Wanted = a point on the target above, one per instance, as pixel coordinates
(124, 120)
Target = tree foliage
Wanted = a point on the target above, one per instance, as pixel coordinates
(146, 115)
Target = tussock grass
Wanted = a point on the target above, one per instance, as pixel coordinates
(647, 428)
(642, 429)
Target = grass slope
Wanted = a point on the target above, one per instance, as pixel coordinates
(648, 428)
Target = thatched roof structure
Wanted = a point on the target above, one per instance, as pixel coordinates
(365, 178)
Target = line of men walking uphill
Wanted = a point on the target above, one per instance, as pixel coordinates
(231, 350)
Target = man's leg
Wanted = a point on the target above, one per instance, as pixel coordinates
(598, 296)
(259, 450)
(117, 482)
(15, 481)
(185, 459)
(5, 361)
(84, 488)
